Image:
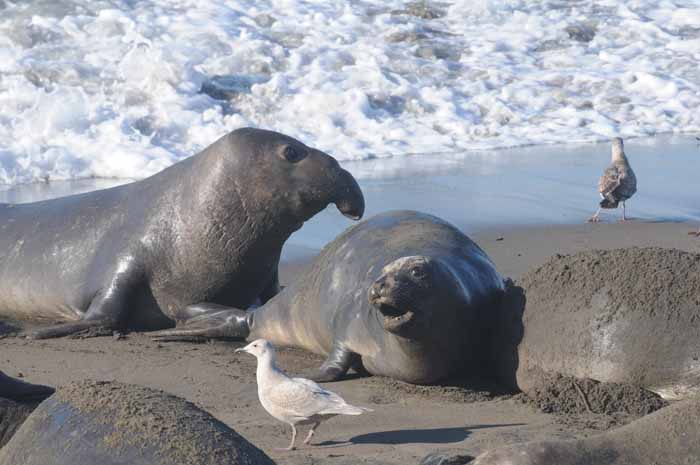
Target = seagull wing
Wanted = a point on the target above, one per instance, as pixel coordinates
(300, 399)
(610, 180)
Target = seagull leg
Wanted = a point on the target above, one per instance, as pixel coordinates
(291, 444)
(695, 233)
(624, 218)
(594, 218)
(311, 432)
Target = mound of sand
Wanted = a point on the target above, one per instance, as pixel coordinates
(650, 279)
(628, 318)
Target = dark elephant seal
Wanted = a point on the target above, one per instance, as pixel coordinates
(209, 228)
(629, 316)
(403, 294)
(668, 437)
(109, 423)
(17, 400)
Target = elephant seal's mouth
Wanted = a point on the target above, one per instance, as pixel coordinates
(394, 318)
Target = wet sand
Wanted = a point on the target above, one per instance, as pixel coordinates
(408, 422)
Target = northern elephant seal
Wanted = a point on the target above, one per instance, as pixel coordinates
(209, 228)
(403, 294)
(669, 437)
(627, 316)
(17, 400)
(110, 423)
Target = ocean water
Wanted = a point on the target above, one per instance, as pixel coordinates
(489, 190)
(125, 88)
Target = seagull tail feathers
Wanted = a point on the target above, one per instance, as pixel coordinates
(347, 409)
(353, 410)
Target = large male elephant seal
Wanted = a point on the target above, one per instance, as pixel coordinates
(669, 437)
(628, 316)
(17, 400)
(403, 294)
(109, 423)
(209, 228)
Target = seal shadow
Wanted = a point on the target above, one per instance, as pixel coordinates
(413, 436)
(506, 331)
(502, 332)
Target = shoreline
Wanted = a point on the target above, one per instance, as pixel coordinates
(533, 186)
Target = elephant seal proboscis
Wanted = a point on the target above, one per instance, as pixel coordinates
(209, 228)
(403, 294)
(110, 423)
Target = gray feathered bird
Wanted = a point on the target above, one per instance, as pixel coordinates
(618, 183)
(295, 401)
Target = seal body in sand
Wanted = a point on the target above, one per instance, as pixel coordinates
(627, 316)
(669, 437)
(209, 228)
(111, 423)
(403, 295)
(17, 400)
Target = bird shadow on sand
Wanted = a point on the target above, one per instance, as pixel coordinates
(412, 436)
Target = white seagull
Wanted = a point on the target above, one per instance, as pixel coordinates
(295, 401)
(618, 182)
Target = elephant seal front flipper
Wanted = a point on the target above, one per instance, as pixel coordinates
(212, 321)
(208, 321)
(336, 365)
(107, 309)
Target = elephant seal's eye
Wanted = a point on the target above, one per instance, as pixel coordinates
(417, 273)
(292, 154)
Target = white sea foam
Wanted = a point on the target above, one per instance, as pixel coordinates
(126, 88)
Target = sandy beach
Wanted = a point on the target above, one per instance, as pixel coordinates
(551, 191)
(494, 116)
(408, 423)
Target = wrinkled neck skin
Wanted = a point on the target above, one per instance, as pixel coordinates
(226, 198)
(208, 223)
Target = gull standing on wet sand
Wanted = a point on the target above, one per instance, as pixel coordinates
(295, 401)
(618, 182)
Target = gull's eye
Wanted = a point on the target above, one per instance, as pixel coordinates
(292, 154)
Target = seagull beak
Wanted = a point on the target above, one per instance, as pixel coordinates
(242, 349)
